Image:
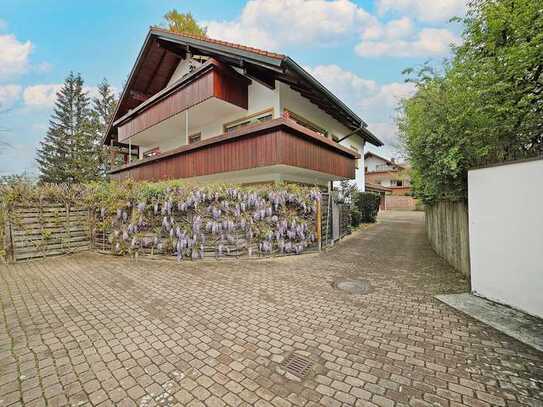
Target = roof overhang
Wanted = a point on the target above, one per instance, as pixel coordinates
(266, 67)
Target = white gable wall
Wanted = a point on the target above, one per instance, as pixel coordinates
(372, 162)
(183, 68)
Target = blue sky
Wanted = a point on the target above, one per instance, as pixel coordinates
(356, 48)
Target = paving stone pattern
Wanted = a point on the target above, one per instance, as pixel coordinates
(98, 330)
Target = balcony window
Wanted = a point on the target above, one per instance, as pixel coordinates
(302, 121)
(259, 117)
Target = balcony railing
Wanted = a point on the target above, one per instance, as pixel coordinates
(279, 141)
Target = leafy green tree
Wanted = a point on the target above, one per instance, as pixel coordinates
(66, 152)
(183, 23)
(103, 108)
(484, 105)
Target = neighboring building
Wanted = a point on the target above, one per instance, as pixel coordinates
(209, 110)
(387, 173)
(381, 191)
(392, 178)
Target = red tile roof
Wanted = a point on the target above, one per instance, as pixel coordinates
(223, 43)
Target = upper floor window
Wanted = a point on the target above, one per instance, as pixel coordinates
(255, 118)
(386, 167)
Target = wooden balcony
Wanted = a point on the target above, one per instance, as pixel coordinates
(277, 142)
(211, 80)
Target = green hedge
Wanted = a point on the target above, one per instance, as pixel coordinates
(365, 207)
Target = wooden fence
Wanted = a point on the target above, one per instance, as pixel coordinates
(447, 228)
(47, 230)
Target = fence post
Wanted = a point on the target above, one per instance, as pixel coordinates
(68, 223)
(319, 224)
(9, 247)
(90, 224)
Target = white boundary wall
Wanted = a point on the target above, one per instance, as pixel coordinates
(506, 234)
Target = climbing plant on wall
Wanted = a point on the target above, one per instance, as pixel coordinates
(194, 221)
(183, 220)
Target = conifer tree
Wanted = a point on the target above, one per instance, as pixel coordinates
(103, 108)
(66, 151)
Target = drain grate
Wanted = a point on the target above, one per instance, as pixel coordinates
(297, 365)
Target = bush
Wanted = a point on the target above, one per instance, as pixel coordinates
(483, 106)
(366, 207)
(356, 216)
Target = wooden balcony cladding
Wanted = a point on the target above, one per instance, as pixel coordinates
(212, 79)
(279, 141)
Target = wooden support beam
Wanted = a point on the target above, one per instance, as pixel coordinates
(174, 48)
(157, 67)
(264, 78)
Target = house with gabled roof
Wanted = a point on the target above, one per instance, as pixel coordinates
(387, 173)
(207, 110)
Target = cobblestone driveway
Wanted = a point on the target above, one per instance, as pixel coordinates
(98, 330)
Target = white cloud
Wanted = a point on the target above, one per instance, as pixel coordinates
(365, 96)
(348, 86)
(9, 95)
(424, 10)
(13, 55)
(400, 28)
(427, 42)
(41, 96)
(375, 103)
(394, 29)
(272, 24)
(387, 132)
(388, 97)
(278, 24)
(45, 95)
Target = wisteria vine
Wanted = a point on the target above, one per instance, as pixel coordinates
(191, 222)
